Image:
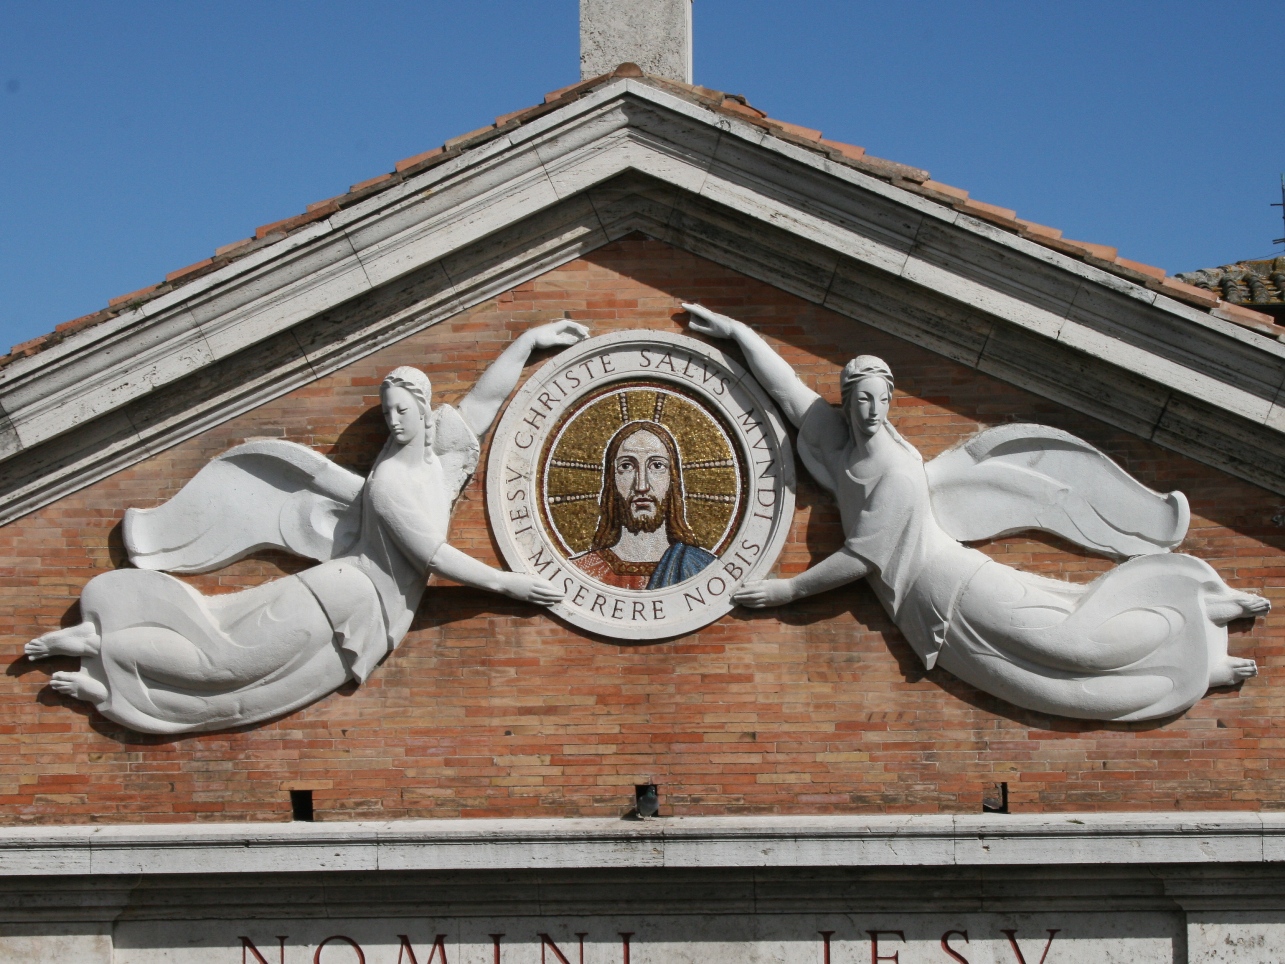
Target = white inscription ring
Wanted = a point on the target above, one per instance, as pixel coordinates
(647, 475)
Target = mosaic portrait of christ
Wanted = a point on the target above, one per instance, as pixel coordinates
(643, 539)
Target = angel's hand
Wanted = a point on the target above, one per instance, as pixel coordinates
(709, 322)
(531, 589)
(558, 334)
(765, 592)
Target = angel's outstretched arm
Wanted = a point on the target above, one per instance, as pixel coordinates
(453, 564)
(773, 372)
(479, 406)
(835, 570)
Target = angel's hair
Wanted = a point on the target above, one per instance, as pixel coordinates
(863, 366)
(421, 389)
(414, 381)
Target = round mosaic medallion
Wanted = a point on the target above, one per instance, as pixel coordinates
(645, 474)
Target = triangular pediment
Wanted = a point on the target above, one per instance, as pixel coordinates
(631, 156)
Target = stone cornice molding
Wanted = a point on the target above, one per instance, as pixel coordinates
(684, 842)
(631, 157)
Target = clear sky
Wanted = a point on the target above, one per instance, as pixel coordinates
(135, 137)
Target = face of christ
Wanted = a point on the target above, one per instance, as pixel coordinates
(641, 472)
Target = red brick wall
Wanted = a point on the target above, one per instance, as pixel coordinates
(488, 708)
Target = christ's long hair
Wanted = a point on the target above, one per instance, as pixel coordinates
(613, 513)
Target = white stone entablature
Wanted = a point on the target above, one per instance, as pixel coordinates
(924, 840)
(1163, 888)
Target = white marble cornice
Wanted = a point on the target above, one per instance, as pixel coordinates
(1048, 840)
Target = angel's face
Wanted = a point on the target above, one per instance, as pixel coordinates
(868, 409)
(401, 412)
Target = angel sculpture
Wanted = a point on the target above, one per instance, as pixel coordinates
(159, 657)
(1145, 640)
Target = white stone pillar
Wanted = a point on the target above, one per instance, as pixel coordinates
(654, 34)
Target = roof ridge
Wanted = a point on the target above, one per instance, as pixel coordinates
(904, 176)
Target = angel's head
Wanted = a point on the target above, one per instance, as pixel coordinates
(866, 387)
(405, 394)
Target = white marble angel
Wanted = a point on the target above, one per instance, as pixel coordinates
(159, 657)
(1144, 640)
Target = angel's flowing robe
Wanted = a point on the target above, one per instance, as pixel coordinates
(174, 660)
(1133, 644)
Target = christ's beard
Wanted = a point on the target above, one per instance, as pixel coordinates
(638, 522)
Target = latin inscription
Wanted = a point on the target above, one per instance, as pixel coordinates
(881, 944)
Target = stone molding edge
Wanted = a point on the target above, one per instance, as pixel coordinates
(680, 842)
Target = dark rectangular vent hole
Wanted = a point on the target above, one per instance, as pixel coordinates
(646, 800)
(301, 805)
(995, 798)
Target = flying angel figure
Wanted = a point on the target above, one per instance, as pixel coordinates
(1145, 640)
(159, 657)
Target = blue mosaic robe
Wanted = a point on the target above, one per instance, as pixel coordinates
(679, 563)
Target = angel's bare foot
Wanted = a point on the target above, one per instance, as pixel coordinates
(82, 640)
(1229, 604)
(79, 686)
(1232, 671)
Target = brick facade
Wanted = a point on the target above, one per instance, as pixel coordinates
(489, 708)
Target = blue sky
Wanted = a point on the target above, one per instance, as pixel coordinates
(135, 137)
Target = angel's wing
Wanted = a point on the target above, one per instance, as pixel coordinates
(1015, 477)
(267, 494)
(456, 446)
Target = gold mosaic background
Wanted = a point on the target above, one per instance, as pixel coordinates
(572, 471)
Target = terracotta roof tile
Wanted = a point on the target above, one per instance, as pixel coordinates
(738, 107)
(372, 182)
(139, 295)
(233, 247)
(1037, 231)
(1246, 316)
(1103, 251)
(471, 135)
(1081, 249)
(807, 133)
(561, 92)
(989, 212)
(1201, 289)
(84, 321)
(190, 269)
(331, 204)
(415, 160)
(1149, 270)
(1256, 282)
(516, 114)
(322, 210)
(946, 189)
(850, 151)
(25, 348)
(1185, 292)
(893, 171)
